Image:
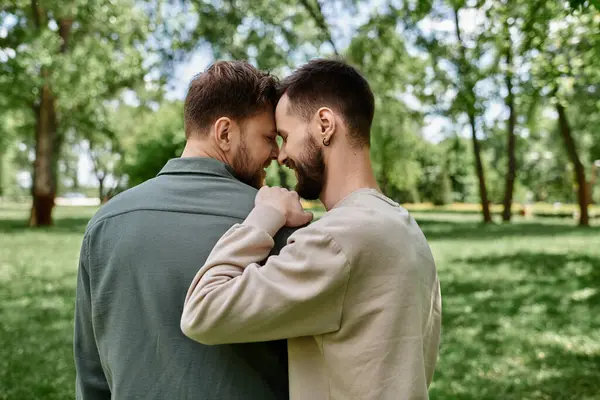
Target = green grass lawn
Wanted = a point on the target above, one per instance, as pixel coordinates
(521, 307)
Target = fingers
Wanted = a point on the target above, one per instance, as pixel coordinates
(308, 217)
(299, 218)
(287, 202)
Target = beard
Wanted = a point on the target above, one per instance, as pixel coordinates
(310, 170)
(243, 169)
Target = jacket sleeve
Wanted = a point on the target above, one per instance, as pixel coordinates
(91, 383)
(299, 292)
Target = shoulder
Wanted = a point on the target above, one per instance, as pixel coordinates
(123, 202)
(378, 225)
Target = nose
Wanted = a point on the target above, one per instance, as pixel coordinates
(275, 152)
(282, 158)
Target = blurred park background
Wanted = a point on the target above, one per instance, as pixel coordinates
(487, 128)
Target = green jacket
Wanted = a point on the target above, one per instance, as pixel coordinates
(139, 255)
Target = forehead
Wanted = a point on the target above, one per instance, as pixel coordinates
(262, 121)
(282, 107)
(284, 115)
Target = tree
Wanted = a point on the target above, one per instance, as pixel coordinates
(516, 29)
(69, 162)
(66, 60)
(467, 98)
(106, 160)
(272, 35)
(459, 161)
(454, 71)
(443, 193)
(6, 140)
(148, 138)
(564, 71)
(567, 135)
(512, 121)
(381, 55)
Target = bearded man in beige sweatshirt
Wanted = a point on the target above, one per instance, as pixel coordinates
(355, 293)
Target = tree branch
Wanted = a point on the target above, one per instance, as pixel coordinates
(464, 69)
(37, 13)
(463, 54)
(317, 16)
(64, 30)
(529, 25)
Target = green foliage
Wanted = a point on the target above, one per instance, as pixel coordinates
(394, 150)
(459, 164)
(382, 57)
(443, 193)
(102, 54)
(13, 122)
(416, 63)
(567, 69)
(272, 35)
(280, 175)
(82, 54)
(149, 138)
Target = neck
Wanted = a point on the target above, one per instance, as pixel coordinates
(195, 147)
(345, 174)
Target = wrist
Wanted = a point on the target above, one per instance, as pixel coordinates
(267, 218)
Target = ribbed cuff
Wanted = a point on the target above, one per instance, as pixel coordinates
(266, 218)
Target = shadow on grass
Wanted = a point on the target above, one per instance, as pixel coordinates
(62, 225)
(571, 272)
(560, 374)
(579, 373)
(436, 229)
(527, 333)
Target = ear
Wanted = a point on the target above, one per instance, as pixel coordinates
(223, 133)
(326, 122)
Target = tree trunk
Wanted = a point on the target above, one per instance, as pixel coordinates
(111, 192)
(75, 181)
(101, 189)
(44, 175)
(464, 68)
(47, 142)
(592, 184)
(485, 206)
(509, 184)
(582, 196)
(2, 153)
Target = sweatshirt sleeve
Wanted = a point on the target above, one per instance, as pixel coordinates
(299, 292)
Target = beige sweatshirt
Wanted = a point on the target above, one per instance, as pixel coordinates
(356, 293)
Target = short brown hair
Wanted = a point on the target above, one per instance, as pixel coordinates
(233, 89)
(335, 84)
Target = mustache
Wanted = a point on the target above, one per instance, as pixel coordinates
(290, 164)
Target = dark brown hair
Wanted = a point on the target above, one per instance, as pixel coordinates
(233, 89)
(337, 85)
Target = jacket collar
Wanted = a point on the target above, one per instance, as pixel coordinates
(197, 165)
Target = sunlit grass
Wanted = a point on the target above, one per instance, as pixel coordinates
(519, 307)
(520, 320)
(38, 269)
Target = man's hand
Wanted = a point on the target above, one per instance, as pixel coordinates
(285, 201)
